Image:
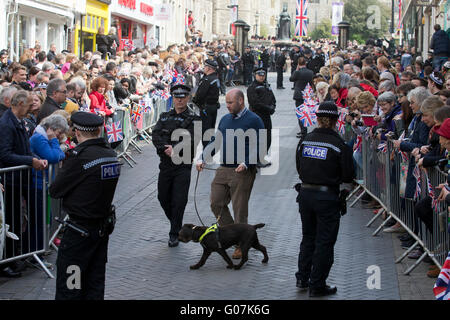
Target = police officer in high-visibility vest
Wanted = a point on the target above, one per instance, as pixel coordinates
(324, 162)
(86, 184)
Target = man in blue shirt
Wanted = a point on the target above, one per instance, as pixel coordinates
(238, 132)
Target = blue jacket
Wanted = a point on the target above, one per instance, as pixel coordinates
(440, 43)
(14, 146)
(248, 122)
(418, 138)
(45, 149)
(389, 123)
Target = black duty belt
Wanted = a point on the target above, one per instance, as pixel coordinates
(317, 187)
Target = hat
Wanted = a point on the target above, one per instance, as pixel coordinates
(327, 109)
(211, 63)
(42, 85)
(444, 130)
(86, 121)
(180, 91)
(4, 52)
(436, 78)
(387, 76)
(260, 71)
(447, 65)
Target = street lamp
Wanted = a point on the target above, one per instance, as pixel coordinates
(237, 10)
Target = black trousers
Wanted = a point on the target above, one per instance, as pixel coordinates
(173, 191)
(209, 117)
(248, 71)
(423, 210)
(303, 129)
(222, 79)
(320, 217)
(267, 121)
(279, 77)
(85, 257)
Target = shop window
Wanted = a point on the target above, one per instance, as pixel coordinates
(23, 23)
(125, 30)
(52, 35)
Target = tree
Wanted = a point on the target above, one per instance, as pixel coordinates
(367, 18)
(322, 31)
(264, 30)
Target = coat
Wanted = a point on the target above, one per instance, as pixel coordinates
(48, 107)
(301, 78)
(418, 138)
(14, 146)
(440, 43)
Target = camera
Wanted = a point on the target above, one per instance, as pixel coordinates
(353, 114)
(359, 123)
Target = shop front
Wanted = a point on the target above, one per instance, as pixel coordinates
(43, 23)
(88, 24)
(135, 23)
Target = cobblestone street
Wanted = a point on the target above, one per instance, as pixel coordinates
(142, 266)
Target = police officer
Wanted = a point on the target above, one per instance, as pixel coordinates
(223, 60)
(248, 60)
(86, 184)
(324, 162)
(265, 57)
(175, 169)
(279, 65)
(294, 55)
(262, 101)
(207, 96)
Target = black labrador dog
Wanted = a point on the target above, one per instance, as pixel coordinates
(243, 235)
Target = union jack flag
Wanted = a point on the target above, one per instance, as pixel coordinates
(442, 287)
(136, 113)
(340, 124)
(301, 18)
(416, 174)
(404, 156)
(382, 147)
(114, 132)
(308, 93)
(179, 79)
(306, 117)
(434, 202)
(358, 144)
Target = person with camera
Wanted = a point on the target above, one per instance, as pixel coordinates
(86, 184)
(262, 102)
(324, 162)
(387, 102)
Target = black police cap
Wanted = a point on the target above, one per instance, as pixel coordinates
(211, 63)
(86, 121)
(180, 91)
(260, 71)
(327, 109)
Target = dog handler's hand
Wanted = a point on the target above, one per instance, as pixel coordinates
(200, 166)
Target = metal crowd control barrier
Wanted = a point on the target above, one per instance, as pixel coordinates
(382, 177)
(24, 209)
(141, 130)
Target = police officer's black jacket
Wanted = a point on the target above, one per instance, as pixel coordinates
(261, 98)
(265, 57)
(316, 63)
(281, 61)
(208, 91)
(248, 59)
(87, 180)
(324, 159)
(168, 123)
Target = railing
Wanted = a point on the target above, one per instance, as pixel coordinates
(383, 170)
(29, 211)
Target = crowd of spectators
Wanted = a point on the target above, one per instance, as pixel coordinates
(394, 97)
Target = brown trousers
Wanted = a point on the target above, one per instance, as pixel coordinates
(227, 186)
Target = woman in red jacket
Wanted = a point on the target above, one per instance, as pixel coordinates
(98, 101)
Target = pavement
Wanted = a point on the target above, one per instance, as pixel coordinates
(141, 266)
